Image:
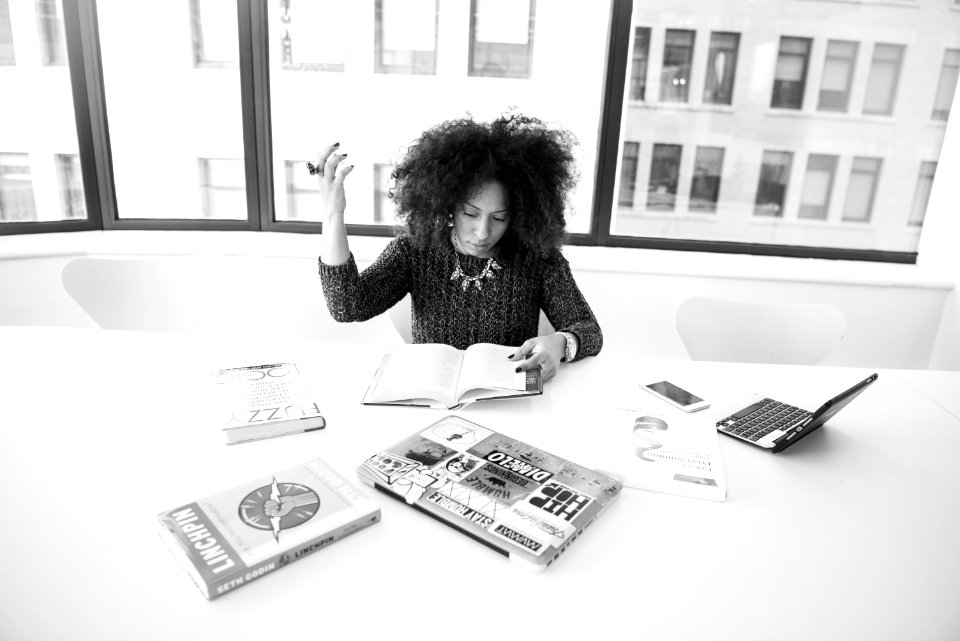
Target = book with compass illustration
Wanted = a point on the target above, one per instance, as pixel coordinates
(228, 539)
(441, 376)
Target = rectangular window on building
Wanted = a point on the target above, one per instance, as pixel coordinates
(721, 68)
(383, 209)
(53, 41)
(72, 203)
(222, 188)
(838, 66)
(790, 77)
(501, 38)
(214, 29)
(8, 54)
(921, 195)
(947, 84)
(406, 36)
(705, 185)
(864, 177)
(641, 57)
(312, 35)
(17, 203)
(817, 186)
(677, 58)
(628, 173)
(883, 80)
(772, 186)
(664, 177)
(303, 192)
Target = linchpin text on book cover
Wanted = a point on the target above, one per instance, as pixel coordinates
(229, 539)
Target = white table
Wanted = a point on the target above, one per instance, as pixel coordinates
(850, 534)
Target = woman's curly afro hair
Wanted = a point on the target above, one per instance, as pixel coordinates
(452, 160)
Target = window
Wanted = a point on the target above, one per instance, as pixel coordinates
(194, 83)
(301, 48)
(921, 195)
(53, 49)
(705, 186)
(772, 188)
(72, 203)
(501, 38)
(664, 177)
(214, 28)
(864, 176)
(638, 71)
(791, 74)
(383, 209)
(721, 68)
(406, 36)
(17, 203)
(165, 113)
(884, 77)
(947, 85)
(628, 173)
(837, 79)
(302, 193)
(222, 193)
(817, 186)
(376, 115)
(38, 127)
(677, 58)
(8, 55)
(749, 165)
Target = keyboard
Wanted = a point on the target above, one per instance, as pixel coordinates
(756, 421)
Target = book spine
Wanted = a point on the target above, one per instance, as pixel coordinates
(226, 584)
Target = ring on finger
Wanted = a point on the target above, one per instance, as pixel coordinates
(314, 169)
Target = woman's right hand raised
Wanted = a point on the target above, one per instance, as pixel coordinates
(330, 176)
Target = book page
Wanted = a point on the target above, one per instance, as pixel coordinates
(428, 371)
(485, 366)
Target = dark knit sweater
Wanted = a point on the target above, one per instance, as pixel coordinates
(506, 311)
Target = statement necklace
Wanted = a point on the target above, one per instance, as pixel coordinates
(489, 271)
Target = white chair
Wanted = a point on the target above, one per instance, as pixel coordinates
(725, 330)
(210, 295)
(401, 317)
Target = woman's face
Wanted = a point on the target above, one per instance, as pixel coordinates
(480, 222)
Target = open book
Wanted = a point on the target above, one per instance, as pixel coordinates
(436, 375)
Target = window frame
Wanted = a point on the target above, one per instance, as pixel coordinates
(710, 95)
(381, 67)
(875, 64)
(85, 68)
(472, 46)
(823, 105)
(776, 100)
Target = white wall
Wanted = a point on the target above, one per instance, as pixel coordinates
(235, 282)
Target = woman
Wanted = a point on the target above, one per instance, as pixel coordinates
(484, 207)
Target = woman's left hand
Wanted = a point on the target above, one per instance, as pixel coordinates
(542, 351)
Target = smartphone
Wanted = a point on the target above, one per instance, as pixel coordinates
(676, 396)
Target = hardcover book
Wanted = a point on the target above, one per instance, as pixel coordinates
(265, 401)
(229, 539)
(441, 376)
